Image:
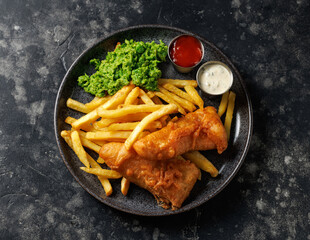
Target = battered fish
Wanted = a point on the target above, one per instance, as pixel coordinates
(199, 130)
(169, 181)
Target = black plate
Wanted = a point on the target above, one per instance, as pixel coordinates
(139, 201)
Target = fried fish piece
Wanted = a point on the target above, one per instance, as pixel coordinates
(169, 181)
(199, 130)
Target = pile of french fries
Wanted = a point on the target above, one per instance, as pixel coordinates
(127, 116)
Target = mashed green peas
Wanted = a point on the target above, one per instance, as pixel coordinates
(131, 61)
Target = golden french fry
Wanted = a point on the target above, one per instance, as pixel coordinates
(81, 133)
(194, 95)
(150, 94)
(98, 142)
(66, 135)
(111, 174)
(127, 126)
(129, 118)
(122, 126)
(155, 125)
(167, 109)
(178, 92)
(223, 104)
(130, 126)
(85, 120)
(145, 98)
(100, 160)
(78, 148)
(156, 100)
(92, 162)
(183, 102)
(111, 135)
(136, 102)
(170, 101)
(104, 122)
(117, 98)
(104, 181)
(178, 82)
(126, 110)
(71, 120)
(229, 112)
(96, 102)
(86, 143)
(133, 117)
(76, 105)
(124, 186)
(199, 176)
(120, 106)
(201, 162)
(106, 185)
(132, 96)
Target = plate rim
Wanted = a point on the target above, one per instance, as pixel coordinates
(168, 212)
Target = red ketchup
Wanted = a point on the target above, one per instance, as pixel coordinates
(185, 51)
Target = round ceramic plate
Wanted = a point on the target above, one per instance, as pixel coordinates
(139, 201)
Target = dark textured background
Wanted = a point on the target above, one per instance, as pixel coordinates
(269, 42)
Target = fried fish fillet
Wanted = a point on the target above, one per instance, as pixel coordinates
(169, 181)
(199, 130)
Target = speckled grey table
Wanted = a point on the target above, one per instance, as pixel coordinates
(269, 41)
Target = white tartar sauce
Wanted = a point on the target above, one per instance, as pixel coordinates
(215, 79)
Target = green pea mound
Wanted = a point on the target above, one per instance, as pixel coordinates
(130, 61)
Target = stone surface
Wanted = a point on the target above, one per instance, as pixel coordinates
(269, 41)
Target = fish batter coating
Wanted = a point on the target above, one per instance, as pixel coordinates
(169, 181)
(199, 130)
